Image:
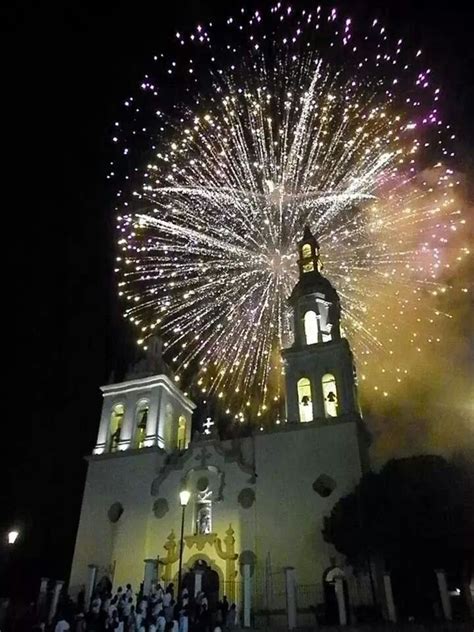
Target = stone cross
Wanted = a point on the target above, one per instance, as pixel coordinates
(207, 426)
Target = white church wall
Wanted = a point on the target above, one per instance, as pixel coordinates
(289, 513)
(125, 479)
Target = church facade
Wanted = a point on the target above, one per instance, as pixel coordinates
(257, 503)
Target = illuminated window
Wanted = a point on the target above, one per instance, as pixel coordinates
(141, 419)
(330, 395)
(203, 508)
(203, 518)
(308, 267)
(169, 431)
(306, 251)
(305, 401)
(181, 433)
(311, 327)
(116, 419)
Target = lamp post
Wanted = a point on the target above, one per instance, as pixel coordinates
(184, 497)
(7, 552)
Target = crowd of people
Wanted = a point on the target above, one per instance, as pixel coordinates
(159, 611)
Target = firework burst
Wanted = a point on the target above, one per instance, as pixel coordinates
(252, 130)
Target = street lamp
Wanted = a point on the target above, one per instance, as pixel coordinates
(12, 536)
(184, 497)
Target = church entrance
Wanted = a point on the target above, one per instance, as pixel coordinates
(202, 578)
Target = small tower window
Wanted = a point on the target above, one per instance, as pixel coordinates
(306, 251)
(116, 420)
(330, 395)
(181, 433)
(311, 327)
(309, 266)
(305, 400)
(141, 422)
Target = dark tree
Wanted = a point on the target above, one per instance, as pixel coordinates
(418, 510)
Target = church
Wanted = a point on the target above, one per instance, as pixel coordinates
(253, 512)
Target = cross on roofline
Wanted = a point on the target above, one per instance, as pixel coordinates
(207, 426)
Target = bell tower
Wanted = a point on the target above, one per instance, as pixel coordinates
(319, 367)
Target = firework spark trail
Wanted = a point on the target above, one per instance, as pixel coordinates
(301, 121)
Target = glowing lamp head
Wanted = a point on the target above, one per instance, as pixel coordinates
(12, 536)
(184, 497)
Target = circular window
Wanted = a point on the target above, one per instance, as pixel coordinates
(246, 497)
(324, 485)
(160, 507)
(202, 484)
(115, 512)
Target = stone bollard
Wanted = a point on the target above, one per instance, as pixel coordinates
(247, 595)
(149, 575)
(42, 598)
(392, 613)
(290, 582)
(58, 586)
(443, 592)
(91, 579)
(341, 603)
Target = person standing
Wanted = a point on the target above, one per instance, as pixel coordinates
(225, 610)
(231, 621)
(62, 625)
(184, 620)
(161, 622)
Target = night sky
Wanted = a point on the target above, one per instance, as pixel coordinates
(67, 67)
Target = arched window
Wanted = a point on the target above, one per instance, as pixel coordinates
(306, 251)
(141, 419)
(311, 327)
(116, 420)
(305, 400)
(330, 395)
(169, 436)
(181, 433)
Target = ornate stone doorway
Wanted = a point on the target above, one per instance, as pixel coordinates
(203, 577)
(224, 549)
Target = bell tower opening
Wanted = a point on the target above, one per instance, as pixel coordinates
(305, 400)
(181, 433)
(308, 253)
(116, 421)
(141, 421)
(311, 327)
(329, 395)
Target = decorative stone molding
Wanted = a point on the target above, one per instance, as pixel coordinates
(202, 451)
(172, 555)
(209, 476)
(200, 540)
(225, 549)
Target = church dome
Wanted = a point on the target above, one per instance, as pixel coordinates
(314, 283)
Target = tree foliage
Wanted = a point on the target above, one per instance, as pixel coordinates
(419, 508)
